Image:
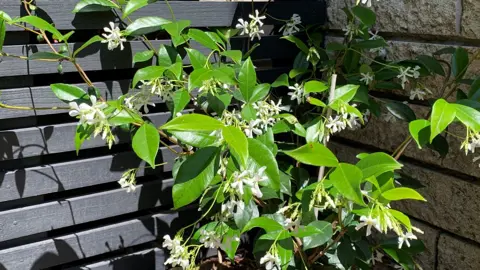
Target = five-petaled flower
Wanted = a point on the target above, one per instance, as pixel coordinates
(369, 222)
(404, 239)
(271, 261)
(89, 114)
(113, 36)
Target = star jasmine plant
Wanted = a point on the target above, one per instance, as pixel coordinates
(256, 158)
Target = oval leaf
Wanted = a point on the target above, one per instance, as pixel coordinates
(468, 116)
(145, 25)
(377, 163)
(261, 156)
(442, 115)
(315, 87)
(315, 154)
(145, 143)
(247, 79)
(401, 111)
(94, 5)
(132, 6)
(193, 122)
(419, 129)
(237, 141)
(68, 93)
(402, 193)
(346, 178)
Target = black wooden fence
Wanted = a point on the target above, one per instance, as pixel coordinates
(63, 211)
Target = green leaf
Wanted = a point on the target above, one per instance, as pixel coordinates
(176, 28)
(401, 111)
(443, 114)
(448, 50)
(68, 93)
(132, 6)
(195, 138)
(316, 102)
(3, 32)
(365, 15)
(145, 25)
(143, 56)
(336, 46)
(300, 44)
(5, 16)
(247, 79)
(282, 80)
(459, 63)
(180, 100)
(377, 163)
(197, 77)
(315, 154)
(315, 87)
(370, 44)
(285, 251)
(46, 55)
(86, 44)
(404, 219)
(261, 156)
(147, 73)
(420, 131)
(94, 5)
(193, 122)
(197, 59)
(402, 193)
(194, 176)
(474, 92)
(242, 217)
(259, 92)
(468, 116)
(323, 235)
(296, 72)
(167, 55)
(146, 142)
(41, 24)
(346, 178)
(123, 116)
(235, 55)
(432, 64)
(229, 244)
(237, 141)
(202, 38)
(82, 133)
(268, 224)
(345, 93)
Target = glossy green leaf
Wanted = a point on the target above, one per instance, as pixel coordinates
(180, 100)
(41, 24)
(459, 63)
(237, 141)
(195, 138)
(420, 131)
(143, 56)
(5, 16)
(132, 6)
(346, 178)
(229, 244)
(167, 55)
(202, 38)
(315, 154)
(474, 92)
(377, 163)
(315, 87)
(193, 122)
(300, 44)
(260, 156)
(468, 116)
(86, 44)
(123, 117)
(282, 80)
(432, 64)
(194, 176)
(259, 92)
(247, 79)
(268, 224)
(443, 114)
(345, 93)
(296, 72)
(147, 73)
(68, 93)
(3, 32)
(46, 56)
(402, 193)
(323, 235)
(145, 25)
(365, 15)
(243, 216)
(145, 143)
(197, 77)
(235, 55)
(316, 102)
(176, 28)
(336, 46)
(197, 59)
(404, 219)
(401, 111)
(94, 5)
(82, 133)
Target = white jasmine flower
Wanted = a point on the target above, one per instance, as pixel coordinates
(404, 239)
(335, 125)
(210, 239)
(128, 180)
(291, 27)
(228, 208)
(257, 19)
(238, 180)
(408, 72)
(89, 114)
(297, 93)
(382, 52)
(113, 37)
(367, 78)
(272, 262)
(313, 55)
(398, 266)
(255, 32)
(242, 25)
(288, 223)
(369, 222)
(374, 36)
(419, 93)
(283, 209)
(255, 179)
(378, 257)
(141, 99)
(252, 128)
(470, 143)
(171, 244)
(352, 30)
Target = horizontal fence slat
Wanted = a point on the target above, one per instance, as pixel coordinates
(34, 181)
(152, 259)
(92, 242)
(11, 66)
(59, 214)
(28, 142)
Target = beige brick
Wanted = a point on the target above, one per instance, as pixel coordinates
(452, 204)
(470, 20)
(427, 258)
(454, 253)
(405, 16)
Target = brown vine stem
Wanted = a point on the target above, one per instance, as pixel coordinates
(336, 240)
(44, 35)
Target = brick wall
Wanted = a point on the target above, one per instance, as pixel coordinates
(451, 217)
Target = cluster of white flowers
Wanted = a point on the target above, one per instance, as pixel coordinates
(141, 99)
(178, 253)
(471, 142)
(212, 86)
(252, 28)
(419, 93)
(352, 30)
(271, 261)
(113, 37)
(408, 72)
(367, 78)
(249, 178)
(128, 180)
(210, 239)
(297, 93)
(322, 199)
(341, 122)
(291, 27)
(230, 207)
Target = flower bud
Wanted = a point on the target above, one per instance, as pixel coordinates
(32, 7)
(40, 38)
(60, 68)
(63, 49)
